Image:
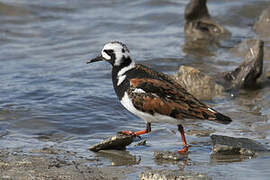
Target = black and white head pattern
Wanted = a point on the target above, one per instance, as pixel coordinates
(118, 55)
(115, 53)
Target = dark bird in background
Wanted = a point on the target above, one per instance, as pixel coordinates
(199, 24)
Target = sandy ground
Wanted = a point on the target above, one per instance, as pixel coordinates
(50, 163)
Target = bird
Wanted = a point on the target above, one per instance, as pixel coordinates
(153, 96)
(199, 24)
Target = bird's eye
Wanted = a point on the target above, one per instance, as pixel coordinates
(108, 51)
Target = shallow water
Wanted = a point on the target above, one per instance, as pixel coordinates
(50, 96)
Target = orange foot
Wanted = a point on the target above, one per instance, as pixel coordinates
(131, 133)
(138, 133)
(127, 133)
(184, 150)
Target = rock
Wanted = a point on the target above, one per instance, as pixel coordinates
(262, 25)
(230, 146)
(172, 175)
(198, 22)
(198, 83)
(245, 76)
(118, 142)
(167, 155)
(247, 73)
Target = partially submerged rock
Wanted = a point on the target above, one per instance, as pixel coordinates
(172, 175)
(247, 73)
(226, 145)
(199, 24)
(118, 142)
(167, 155)
(198, 83)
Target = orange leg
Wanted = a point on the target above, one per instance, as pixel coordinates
(147, 130)
(185, 145)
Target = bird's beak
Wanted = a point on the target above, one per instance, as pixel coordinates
(98, 58)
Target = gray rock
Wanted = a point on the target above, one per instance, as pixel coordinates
(118, 142)
(198, 83)
(247, 73)
(172, 175)
(230, 145)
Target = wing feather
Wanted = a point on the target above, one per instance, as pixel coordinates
(168, 99)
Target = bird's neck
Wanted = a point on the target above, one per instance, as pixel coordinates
(119, 77)
(195, 10)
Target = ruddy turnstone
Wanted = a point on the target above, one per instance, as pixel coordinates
(153, 96)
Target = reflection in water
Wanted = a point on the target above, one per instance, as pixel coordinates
(219, 159)
(201, 48)
(119, 158)
(171, 158)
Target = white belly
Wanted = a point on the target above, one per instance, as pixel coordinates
(155, 118)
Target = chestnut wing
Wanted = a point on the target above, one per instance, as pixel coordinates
(156, 96)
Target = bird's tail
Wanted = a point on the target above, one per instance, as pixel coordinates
(220, 118)
(212, 115)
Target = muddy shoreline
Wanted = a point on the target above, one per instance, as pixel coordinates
(53, 163)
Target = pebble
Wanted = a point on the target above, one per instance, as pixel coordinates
(172, 175)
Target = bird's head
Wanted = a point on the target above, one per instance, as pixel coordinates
(116, 53)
